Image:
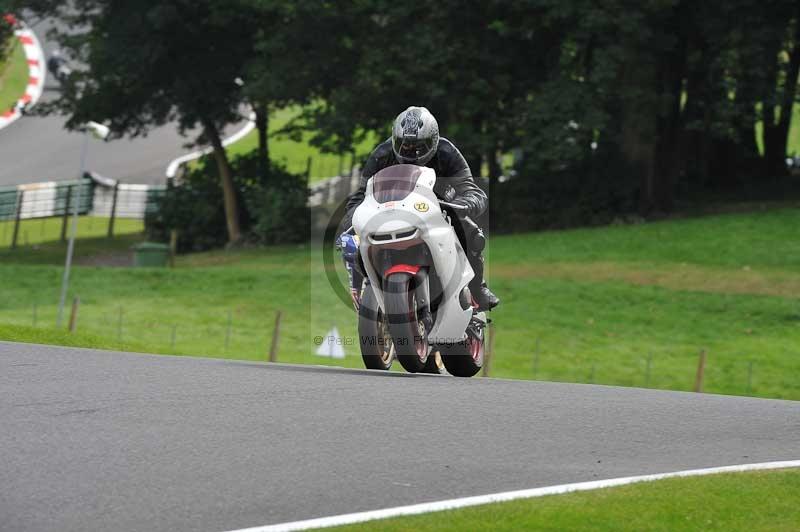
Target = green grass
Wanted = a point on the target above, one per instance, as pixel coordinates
(745, 502)
(588, 305)
(294, 154)
(13, 77)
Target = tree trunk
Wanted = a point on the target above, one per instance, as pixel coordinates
(669, 123)
(226, 180)
(789, 89)
(775, 137)
(262, 126)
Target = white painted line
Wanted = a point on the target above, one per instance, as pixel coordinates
(37, 72)
(452, 504)
(172, 169)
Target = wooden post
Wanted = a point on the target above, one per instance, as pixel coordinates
(65, 218)
(113, 210)
(173, 247)
(308, 169)
(17, 219)
(701, 371)
(487, 358)
(73, 317)
(273, 349)
(228, 331)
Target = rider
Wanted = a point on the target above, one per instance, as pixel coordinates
(415, 140)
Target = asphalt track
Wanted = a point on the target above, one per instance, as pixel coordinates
(35, 149)
(95, 440)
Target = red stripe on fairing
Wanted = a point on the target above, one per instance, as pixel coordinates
(402, 268)
(33, 81)
(25, 39)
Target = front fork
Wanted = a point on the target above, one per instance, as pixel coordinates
(422, 291)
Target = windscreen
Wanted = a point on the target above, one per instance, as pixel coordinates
(395, 183)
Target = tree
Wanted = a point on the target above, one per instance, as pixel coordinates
(301, 50)
(150, 62)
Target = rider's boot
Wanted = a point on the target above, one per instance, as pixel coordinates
(484, 297)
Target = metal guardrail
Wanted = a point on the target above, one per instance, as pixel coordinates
(45, 200)
(333, 190)
(94, 197)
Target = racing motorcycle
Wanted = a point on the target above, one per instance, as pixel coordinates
(415, 304)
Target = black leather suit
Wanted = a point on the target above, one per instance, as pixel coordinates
(454, 183)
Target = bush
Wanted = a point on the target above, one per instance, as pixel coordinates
(596, 190)
(270, 212)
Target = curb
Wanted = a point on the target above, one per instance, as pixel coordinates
(36, 72)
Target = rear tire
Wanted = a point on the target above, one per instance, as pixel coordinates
(409, 336)
(465, 359)
(377, 348)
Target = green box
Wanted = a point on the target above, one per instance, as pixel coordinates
(150, 255)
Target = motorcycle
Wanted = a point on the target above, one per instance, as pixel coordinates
(415, 304)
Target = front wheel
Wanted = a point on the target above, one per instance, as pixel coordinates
(377, 349)
(465, 358)
(409, 336)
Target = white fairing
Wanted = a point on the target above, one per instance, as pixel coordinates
(421, 214)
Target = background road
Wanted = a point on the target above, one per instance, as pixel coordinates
(35, 149)
(96, 440)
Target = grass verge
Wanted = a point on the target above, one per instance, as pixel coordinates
(13, 77)
(742, 501)
(619, 305)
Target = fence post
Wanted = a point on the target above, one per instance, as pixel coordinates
(119, 326)
(489, 351)
(73, 317)
(273, 349)
(173, 247)
(228, 331)
(17, 218)
(701, 371)
(113, 210)
(65, 218)
(308, 169)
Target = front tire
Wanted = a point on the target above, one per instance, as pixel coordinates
(377, 348)
(409, 336)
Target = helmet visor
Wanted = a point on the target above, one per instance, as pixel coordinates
(412, 149)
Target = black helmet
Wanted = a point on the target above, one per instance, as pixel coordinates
(415, 136)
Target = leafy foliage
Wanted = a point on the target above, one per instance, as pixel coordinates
(608, 107)
(273, 211)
